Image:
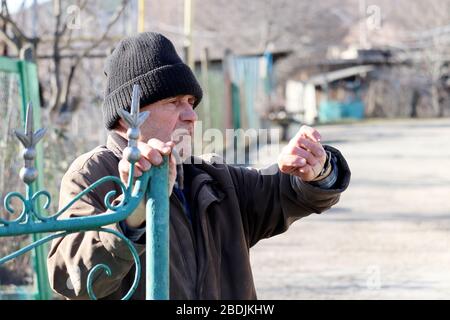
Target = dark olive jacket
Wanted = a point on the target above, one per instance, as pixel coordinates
(233, 208)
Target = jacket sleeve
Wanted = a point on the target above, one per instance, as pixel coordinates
(271, 201)
(72, 257)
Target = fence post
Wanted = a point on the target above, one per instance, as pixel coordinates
(157, 234)
(30, 92)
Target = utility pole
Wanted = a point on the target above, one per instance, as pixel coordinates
(141, 16)
(228, 120)
(204, 59)
(188, 45)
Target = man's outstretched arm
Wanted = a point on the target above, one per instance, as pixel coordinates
(308, 178)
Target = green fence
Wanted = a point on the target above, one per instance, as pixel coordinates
(18, 85)
(250, 87)
(151, 186)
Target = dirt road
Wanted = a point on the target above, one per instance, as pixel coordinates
(388, 238)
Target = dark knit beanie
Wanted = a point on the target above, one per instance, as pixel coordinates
(150, 60)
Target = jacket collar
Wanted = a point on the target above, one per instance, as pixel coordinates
(116, 143)
(202, 185)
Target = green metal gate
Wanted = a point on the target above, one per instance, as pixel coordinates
(18, 86)
(152, 187)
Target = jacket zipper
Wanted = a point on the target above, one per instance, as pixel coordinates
(203, 230)
(180, 205)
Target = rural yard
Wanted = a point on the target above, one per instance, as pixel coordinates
(376, 80)
(389, 236)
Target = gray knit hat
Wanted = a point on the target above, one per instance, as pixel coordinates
(150, 60)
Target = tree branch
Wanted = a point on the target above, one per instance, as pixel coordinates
(94, 45)
(14, 28)
(110, 24)
(56, 81)
(64, 95)
(9, 42)
(19, 39)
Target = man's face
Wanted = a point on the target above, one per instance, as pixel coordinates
(169, 120)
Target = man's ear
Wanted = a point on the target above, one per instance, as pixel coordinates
(121, 126)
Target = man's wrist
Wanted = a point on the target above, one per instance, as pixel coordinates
(329, 177)
(134, 223)
(137, 218)
(134, 234)
(326, 170)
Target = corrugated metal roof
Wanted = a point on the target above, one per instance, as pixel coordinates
(328, 77)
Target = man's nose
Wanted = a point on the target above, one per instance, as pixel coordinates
(188, 114)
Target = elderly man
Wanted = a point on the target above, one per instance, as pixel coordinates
(216, 215)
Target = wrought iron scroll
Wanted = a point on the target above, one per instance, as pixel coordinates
(30, 220)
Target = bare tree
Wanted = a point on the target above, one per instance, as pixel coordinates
(62, 88)
(66, 57)
(11, 34)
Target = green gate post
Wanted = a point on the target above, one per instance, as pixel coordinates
(157, 207)
(157, 234)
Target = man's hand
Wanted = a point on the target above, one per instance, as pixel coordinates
(152, 153)
(304, 156)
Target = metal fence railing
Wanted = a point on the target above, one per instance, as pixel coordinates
(18, 84)
(29, 218)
